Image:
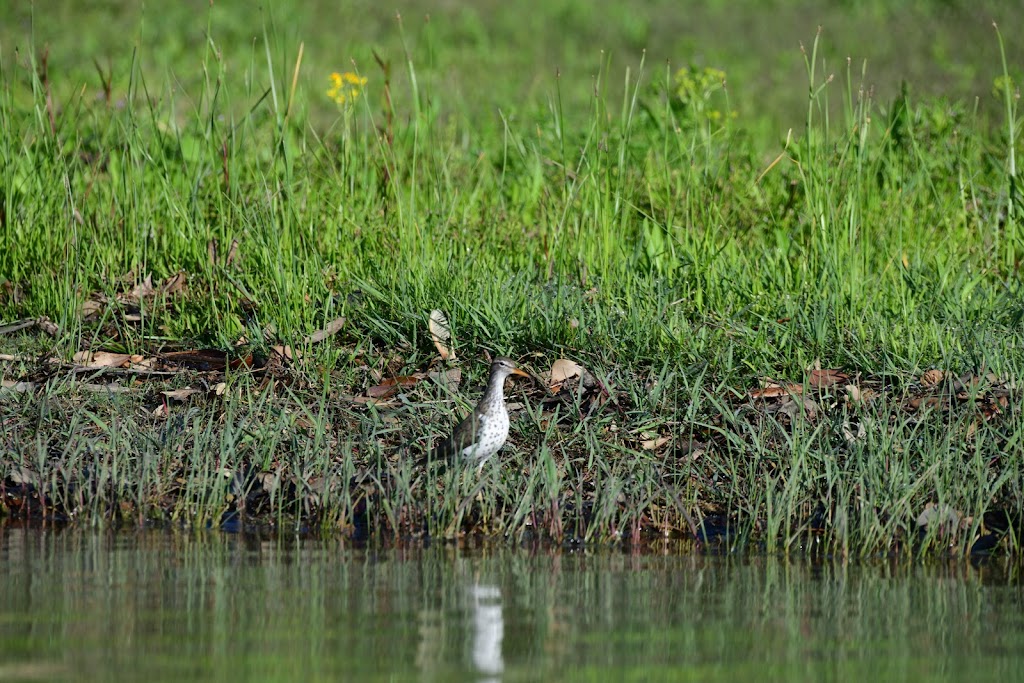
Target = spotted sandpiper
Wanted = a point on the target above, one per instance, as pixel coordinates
(484, 431)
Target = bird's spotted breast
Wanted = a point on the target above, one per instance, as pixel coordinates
(490, 437)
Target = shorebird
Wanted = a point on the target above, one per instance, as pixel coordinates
(484, 431)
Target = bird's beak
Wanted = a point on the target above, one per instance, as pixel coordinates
(519, 372)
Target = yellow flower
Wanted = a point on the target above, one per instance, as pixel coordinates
(346, 87)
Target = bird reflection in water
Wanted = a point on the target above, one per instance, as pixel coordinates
(488, 630)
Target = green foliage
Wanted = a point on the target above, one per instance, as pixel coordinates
(637, 226)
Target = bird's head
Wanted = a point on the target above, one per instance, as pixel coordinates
(503, 367)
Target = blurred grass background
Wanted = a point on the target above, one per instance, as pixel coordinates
(478, 57)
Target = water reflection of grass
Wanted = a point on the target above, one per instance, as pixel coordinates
(642, 230)
(165, 606)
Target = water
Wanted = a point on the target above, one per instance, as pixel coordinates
(159, 606)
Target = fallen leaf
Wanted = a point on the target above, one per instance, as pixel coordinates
(286, 352)
(390, 386)
(219, 388)
(47, 326)
(945, 518)
(142, 363)
(110, 388)
(331, 329)
(175, 283)
(691, 448)
(925, 402)
(851, 436)
(269, 481)
(441, 334)
(822, 379)
(18, 387)
(90, 308)
(563, 370)
(23, 476)
(101, 359)
(451, 378)
(180, 394)
(931, 378)
(773, 390)
(652, 444)
(143, 289)
(794, 407)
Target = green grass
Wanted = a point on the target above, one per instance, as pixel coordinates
(641, 222)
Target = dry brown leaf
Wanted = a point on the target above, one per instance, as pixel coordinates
(995, 407)
(47, 326)
(852, 436)
(368, 400)
(175, 283)
(944, 518)
(441, 334)
(143, 289)
(329, 331)
(180, 394)
(391, 386)
(91, 307)
(690, 447)
(101, 359)
(220, 388)
(110, 388)
(794, 407)
(653, 444)
(18, 387)
(143, 363)
(23, 476)
(931, 378)
(773, 390)
(160, 410)
(269, 481)
(451, 378)
(563, 370)
(822, 379)
(286, 352)
(925, 402)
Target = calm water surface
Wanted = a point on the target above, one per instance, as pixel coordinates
(159, 606)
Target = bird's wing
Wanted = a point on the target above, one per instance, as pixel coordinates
(460, 439)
